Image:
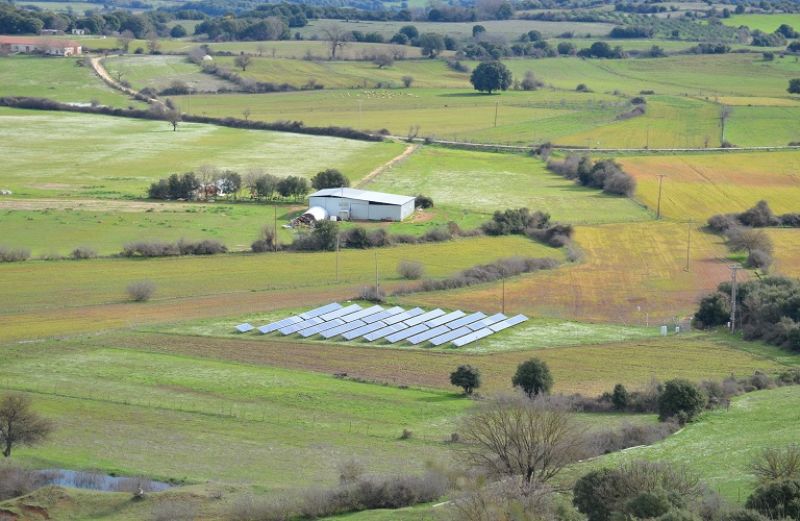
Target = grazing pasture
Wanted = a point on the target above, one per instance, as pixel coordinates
(161, 71)
(698, 186)
(490, 181)
(58, 78)
(768, 23)
(126, 155)
(631, 274)
(721, 444)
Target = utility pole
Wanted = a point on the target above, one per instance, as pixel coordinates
(504, 296)
(496, 106)
(688, 244)
(377, 286)
(660, 182)
(275, 229)
(734, 268)
(337, 257)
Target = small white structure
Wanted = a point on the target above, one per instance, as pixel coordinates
(361, 205)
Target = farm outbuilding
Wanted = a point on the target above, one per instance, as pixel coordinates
(361, 205)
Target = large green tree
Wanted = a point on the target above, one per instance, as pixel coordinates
(491, 76)
(533, 377)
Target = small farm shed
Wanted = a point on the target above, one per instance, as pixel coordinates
(361, 205)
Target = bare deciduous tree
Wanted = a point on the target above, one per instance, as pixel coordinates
(517, 436)
(19, 425)
(124, 40)
(773, 464)
(336, 36)
(243, 61)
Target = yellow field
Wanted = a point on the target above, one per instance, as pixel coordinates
(699, 186)
(787, 251)
(631, 273)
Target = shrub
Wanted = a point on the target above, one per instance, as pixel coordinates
(150, 249)
(83, 252)
(487, 273)
(407, 81)
(439, 234)
(758, 259)
(14, 255)
(16, 481)
(515, 221)
(355, 238)
(141, 291)
(533, 377)
(410, 270)
(774, 464)
(714, 310)
(466, 377)
(721, 223)
(620, 397)
(204, 247)
(743, 515)
(680, 397)
(267, 241)
(372, 294)
(423, 201)
(777, 499)
(247, 508)
(648, 505)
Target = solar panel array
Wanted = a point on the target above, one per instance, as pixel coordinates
(391, 325)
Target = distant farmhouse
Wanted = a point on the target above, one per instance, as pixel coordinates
(361, 205)
(32, 45)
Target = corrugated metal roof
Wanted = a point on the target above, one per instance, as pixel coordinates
(363, 195)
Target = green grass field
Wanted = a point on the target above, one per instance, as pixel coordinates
(765, 22)
(719, 446)
(489, 181)
(159, 72)
(126, 155)
(57, 78)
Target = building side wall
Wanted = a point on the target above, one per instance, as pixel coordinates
(362, 210)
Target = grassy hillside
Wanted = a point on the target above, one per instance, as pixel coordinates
(489, 181)
(126, 155)
(720, 445)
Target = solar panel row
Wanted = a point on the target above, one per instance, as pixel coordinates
(394, 324)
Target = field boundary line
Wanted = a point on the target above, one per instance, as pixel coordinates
(410, 149)
(97, 66)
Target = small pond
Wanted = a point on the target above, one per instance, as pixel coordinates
(99, 481)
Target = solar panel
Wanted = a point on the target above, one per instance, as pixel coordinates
(338, 330)
(244, 328)
(402, 335)
(427, 335)
(384, 331)
(363, 330)
(452, 335)
(320, 311)
(294, 328)
(486, 322)
(419, 319)
(361, 314)
(383, 314)
(513, 321)
(274, 326)
(352, 308)
(469, 319)
(475, 335)
(403, 316)
(318, 328)
(436, 322)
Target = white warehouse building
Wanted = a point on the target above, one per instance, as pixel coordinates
(361, 205)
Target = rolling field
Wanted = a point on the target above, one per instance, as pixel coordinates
(127, 154)
(787, 252)
(631, 274)
(252, 423)
(44, 298)
(490, 181)
(720, 445)
(699, 186)
(585, 368)
(765, 22)
(58, 78)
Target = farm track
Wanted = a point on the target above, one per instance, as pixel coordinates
(97, 65)
(410, 149)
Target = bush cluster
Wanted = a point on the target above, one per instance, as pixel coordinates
(759, 216)
(536, 225)
(484, 273)
(605, 174)
(170, 249)
(768, 309)
(14, 254)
